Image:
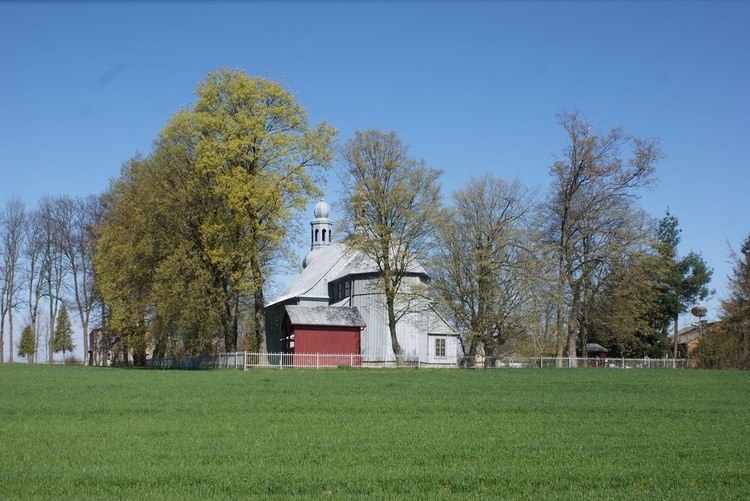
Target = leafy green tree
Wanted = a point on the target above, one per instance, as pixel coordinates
(190, 231)
(63, 332)
(27, 345)
(621, 318)
(393, 203)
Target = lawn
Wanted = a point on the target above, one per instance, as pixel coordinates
(79, 432)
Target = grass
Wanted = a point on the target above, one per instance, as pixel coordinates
(526, 433)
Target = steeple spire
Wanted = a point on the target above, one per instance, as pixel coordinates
(321, 231)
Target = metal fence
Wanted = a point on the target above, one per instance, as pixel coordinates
(571, 362)
(245, 360)
(220, 361)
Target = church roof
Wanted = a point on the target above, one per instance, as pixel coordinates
(324, 315)
(326, 259)
(359, 264)
(327, 262)
(333, 262)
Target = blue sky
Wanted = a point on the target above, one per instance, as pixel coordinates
(471, 87)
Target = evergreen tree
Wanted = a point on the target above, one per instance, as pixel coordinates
(727, 344)
(27, 346)
(680, 282)
(63, 332)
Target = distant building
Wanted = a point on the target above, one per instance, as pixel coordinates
(336, 277)
(688, 339)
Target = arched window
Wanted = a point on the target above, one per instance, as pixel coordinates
(316, 235)
(324, 235)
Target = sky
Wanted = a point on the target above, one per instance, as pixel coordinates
(471, 87)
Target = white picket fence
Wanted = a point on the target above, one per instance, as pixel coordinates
(246, 360)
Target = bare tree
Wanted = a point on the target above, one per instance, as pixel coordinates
(45, 269)
(11, 235)
(486, 264)
(393, 202)
(77, 219)
(592, 192)
(36, 261)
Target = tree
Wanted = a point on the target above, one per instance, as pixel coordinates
(37, 259)
(27, 346)
(189, 232)
(485, 263)
(680, 282)
(77, 220)
(63, 332)
(727, 343)
(620, 317)
(666, 275)
(11, 239)
(393, 204)
(590, 214)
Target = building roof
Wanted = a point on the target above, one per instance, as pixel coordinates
(326, 258)
(335, 316)
(690, 333)
(360, 264)
(595, 348)
(332, 262)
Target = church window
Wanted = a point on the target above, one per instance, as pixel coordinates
(324, 235)
(440, 347)
(316, 235)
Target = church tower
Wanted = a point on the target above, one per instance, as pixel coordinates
(321, 231)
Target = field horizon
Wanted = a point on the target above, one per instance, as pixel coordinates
(86, 432)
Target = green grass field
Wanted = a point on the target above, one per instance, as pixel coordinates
(77, 432)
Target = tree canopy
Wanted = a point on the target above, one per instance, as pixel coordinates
(393, 205)
(189, 231)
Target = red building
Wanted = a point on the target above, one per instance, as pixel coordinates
(322, 335)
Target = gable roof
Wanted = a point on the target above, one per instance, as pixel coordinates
(335, 316)
(326, 260)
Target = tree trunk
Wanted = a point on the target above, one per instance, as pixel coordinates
(259, 300)
(51, 347)
(392, 328)
(674, 338)
(260, 323)
(10, 335)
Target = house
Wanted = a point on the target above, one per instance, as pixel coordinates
(688, 339)
(335, 276)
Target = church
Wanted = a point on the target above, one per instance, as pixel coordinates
(335, 306)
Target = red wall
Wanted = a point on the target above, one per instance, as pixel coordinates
(333, 340)
(328, 340)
